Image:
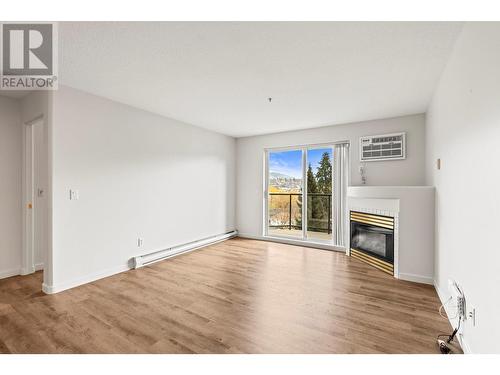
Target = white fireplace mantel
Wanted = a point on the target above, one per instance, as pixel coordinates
(413, 210)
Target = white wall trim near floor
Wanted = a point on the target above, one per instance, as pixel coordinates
(402, 276)
(461, 340)
(31, 269)
(147, 259)
(151, 258)
(291, 241)
(10, 273)
(51, 289)
(27, 270)
(416, 278)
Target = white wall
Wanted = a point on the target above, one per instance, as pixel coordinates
(463, 129)
(250, 156)
(10, 187)
(138, 175)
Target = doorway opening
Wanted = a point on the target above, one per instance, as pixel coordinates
(34, 197)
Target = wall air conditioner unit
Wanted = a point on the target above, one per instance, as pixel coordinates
(382, 147)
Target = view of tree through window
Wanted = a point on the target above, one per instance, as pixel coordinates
(319, 193)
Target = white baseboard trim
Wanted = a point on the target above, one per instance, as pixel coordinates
(461, 339)
(47, 289)
(416, 278)
(157, 256)
(290, 241)
(38, 267)
(27, 271)
(9, 273)
(463, 343)
(51, 289)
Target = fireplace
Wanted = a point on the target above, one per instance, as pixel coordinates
(372, 240)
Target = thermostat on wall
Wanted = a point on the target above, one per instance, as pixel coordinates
(382, 147)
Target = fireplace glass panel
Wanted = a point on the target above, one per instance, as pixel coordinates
(372, 242)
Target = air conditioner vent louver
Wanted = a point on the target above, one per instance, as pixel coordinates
(382, 147)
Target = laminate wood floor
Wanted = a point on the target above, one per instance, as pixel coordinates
(238, 296)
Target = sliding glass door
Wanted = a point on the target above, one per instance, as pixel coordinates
(285, 187)
(319, 194)
(299, 193)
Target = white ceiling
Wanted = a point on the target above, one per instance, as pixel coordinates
(219, 75)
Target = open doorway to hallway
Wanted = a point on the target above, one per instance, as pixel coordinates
(35, 201)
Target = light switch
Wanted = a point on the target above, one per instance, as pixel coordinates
(73, 195)
(438, 164)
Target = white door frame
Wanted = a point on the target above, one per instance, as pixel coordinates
(28, 261)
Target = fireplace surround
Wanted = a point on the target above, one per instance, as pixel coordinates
(372, 240)
(412, 208)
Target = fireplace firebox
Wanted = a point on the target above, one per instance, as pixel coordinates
(372, 240)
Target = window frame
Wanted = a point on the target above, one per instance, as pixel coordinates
(265, 217)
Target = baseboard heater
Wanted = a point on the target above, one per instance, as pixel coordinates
(144, 260)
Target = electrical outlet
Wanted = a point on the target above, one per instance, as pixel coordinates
(461, 306)
(458, 298)
(139, 242)
(472, 316)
